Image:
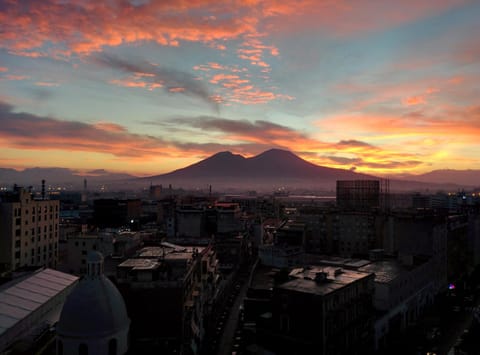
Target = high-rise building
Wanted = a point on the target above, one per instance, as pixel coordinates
(28, 230)
(358, 194)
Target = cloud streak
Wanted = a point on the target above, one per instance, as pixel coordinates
(24, 131)
(154, 76)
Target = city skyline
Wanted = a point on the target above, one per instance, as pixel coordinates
(148, 87)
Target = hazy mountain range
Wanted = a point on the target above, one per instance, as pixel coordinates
(271, 169)
(275, 168)
(59, 176)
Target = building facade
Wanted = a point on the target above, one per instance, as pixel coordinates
(29, 230)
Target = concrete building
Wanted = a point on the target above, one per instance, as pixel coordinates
(30, 305)
(116, 213)
(358, 194)
(228, 217)
(169, 291)
(419, 233)
(29, 230)
(319, 310)
(77, 248)
(190, 221)
(344, 233)
(403, 290)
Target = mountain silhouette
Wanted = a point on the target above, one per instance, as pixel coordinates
(274, 167)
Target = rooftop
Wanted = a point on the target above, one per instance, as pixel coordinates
(140, 264)
(19, 298)
(385, 270)
(321, 280)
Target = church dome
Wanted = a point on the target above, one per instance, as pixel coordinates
(95, 309)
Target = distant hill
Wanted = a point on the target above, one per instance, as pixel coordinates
(58, 176)
(449, 176)
(270, 169)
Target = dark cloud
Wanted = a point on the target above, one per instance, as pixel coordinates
(41, 94)
(28, 131)
(354, 143)
(168, 78)
(343, 160)
(254, 129)
(388, 164)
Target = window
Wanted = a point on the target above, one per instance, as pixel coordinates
(112, 347)
(83, 349)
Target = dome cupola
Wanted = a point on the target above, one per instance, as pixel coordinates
(94, 318)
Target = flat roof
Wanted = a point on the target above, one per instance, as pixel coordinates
(304, 279)
(19, 298)
(385, 270)
(140, 264)
(263, 278)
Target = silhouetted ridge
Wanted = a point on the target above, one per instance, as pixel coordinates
(272, 167)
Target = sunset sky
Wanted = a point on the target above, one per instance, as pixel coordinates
(145, 87)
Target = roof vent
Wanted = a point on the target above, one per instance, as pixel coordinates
(321, 276)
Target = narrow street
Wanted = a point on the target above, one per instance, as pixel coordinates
(227, 337)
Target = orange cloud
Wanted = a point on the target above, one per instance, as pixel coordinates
(46, 83)
(135, 84)
(176, 89)
(88, 27)
(16, 77)
(414, 100)
(27, 132)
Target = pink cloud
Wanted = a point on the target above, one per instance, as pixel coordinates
(414, 100)
(16, 77)
(46, 83)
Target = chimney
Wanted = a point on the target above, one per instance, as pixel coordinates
(43, 189)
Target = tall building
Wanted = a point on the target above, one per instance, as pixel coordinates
(358, 194)
(28, 230)
(315, 310)
(170, 292)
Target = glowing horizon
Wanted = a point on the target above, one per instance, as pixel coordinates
(146, 87)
